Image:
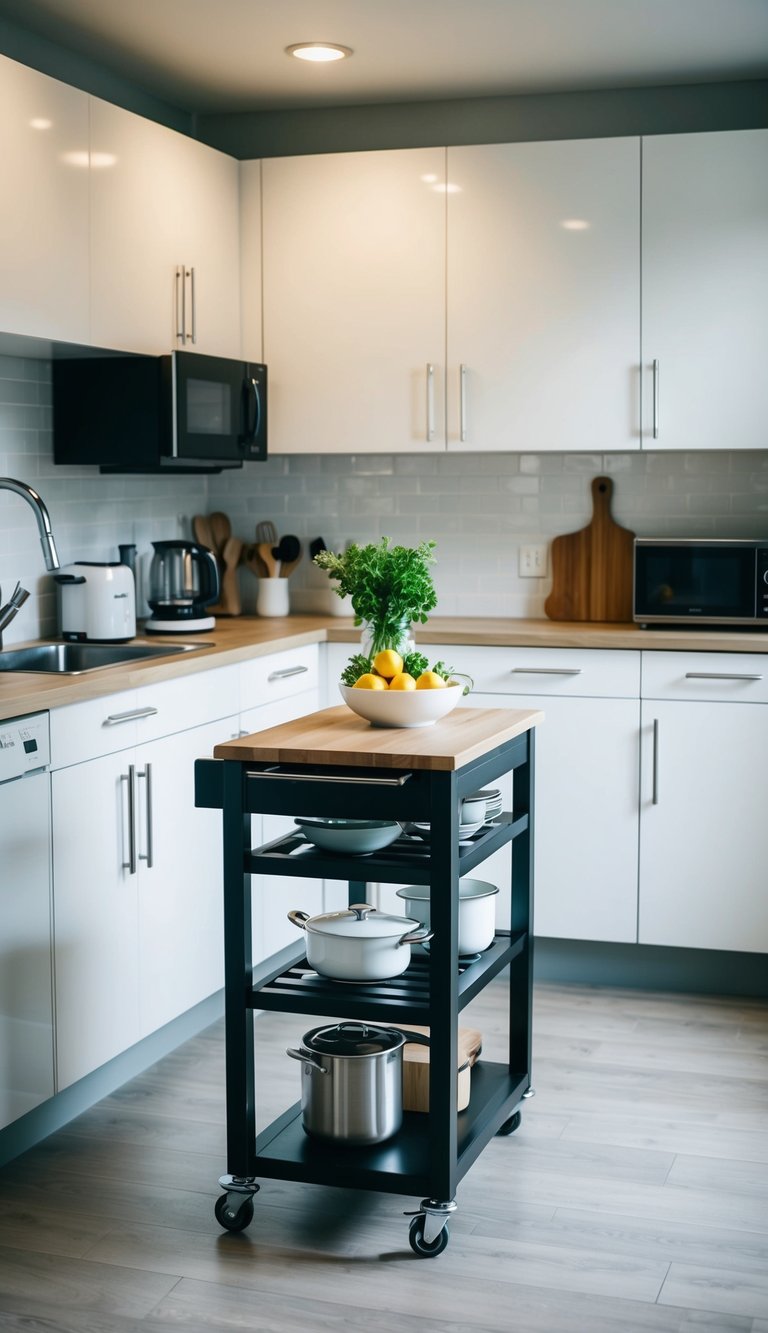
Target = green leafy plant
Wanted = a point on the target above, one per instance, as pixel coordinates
(356, 667)
(390, 587)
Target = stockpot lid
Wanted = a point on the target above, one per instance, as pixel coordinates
(352, 1039)
(362, 922)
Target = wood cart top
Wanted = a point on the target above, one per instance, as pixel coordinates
(337, 736)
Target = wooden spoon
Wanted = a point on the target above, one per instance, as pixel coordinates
(252, 560)
(264, 549)
(229, 603)
(221, 530)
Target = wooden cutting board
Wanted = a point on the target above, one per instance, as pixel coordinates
(592, 569)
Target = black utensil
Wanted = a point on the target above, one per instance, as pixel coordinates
(316, 546)
(287, 549)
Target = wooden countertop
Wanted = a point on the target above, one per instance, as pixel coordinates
(336, 736)
(244, 637)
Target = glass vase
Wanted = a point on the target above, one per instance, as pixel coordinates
(375, 637)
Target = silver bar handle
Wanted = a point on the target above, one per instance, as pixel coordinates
(146, 773)
(655, 796)
(130, 779)
(545, 671)
(430, 401)
(462, 402)
(180, 312)
(194, 303)
(286, 672)
(323, 777)
(721, 675)
(655, 367)
(117, 719)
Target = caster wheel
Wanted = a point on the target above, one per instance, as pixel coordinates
(418, 1243)
(233, 1219)
(510, 1125)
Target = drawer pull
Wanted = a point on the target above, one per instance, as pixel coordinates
(545, 671)
(720, 675)
(655, 797)
(116, 719)
(323, 777)
(286, 672)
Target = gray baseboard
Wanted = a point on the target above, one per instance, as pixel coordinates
(53, 1114)
(650, 967)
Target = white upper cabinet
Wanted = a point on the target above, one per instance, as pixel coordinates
(354, 301)
(250, 260)
(544, 296)
(165, 238)
(705, 290)
(43, 205)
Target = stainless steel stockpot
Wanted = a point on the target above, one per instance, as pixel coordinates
(352, 1081)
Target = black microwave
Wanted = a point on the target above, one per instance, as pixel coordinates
(706, 581)
(185, 412)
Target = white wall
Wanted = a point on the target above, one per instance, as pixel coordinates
(478, 507)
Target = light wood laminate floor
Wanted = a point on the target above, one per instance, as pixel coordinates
(633, 1198)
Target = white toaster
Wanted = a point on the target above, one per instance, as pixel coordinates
(98, 602)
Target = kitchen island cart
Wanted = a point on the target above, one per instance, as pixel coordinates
(334, 764)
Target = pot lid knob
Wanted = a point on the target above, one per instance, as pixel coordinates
(361, 910)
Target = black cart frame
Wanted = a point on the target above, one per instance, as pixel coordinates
(432, 1151)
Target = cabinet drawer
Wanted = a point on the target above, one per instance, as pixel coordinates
(711, 677)
(580, 672)
(86, 730)
(189, 701)
(279, 675)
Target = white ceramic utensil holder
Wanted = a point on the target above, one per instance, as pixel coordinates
(272, 597)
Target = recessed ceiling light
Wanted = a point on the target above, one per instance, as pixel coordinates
(320, 52)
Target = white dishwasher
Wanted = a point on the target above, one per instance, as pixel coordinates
(26, 1004)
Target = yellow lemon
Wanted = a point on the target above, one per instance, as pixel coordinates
(388, 663)
(369, 682)
(429, 680)
(402, 681)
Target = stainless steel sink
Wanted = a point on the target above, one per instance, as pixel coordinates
(72, 659)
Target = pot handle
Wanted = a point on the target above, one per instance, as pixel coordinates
(306, 1058)
(299, 919)
(416, 937)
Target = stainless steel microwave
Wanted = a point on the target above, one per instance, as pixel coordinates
(184, 412)
(704, 581)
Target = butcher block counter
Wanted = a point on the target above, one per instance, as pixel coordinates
(244, 637)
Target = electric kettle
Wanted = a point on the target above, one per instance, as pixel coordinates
(183, 581)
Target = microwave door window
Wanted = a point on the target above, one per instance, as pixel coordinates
(209, 408)
(714, 583)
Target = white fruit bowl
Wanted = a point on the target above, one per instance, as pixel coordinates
(402, 708)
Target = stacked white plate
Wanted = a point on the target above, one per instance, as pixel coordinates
(493, 801)
(465, 830)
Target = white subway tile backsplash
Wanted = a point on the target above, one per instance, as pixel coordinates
(479, 508)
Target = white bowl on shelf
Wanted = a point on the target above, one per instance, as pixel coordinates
(356, 837)
(402, 708)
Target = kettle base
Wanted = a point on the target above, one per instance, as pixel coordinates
(188, 626)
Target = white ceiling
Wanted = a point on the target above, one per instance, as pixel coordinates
(228, 55)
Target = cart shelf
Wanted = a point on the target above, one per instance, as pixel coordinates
(408, 858)
(400, 1165)
(300, 990)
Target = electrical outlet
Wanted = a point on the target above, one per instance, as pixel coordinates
(532, 562)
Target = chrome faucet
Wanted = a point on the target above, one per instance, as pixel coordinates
(50, 554)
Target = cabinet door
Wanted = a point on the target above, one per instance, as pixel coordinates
(181, 926)
(26, 1018)
(705, 290)
(275, 895)
(354, 301)
(43, 205)
(544, 295)
(702, 858)
(160, 200)
(95, 916)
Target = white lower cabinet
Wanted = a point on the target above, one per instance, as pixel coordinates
(282, 686)
(138, 935)
(704, 748)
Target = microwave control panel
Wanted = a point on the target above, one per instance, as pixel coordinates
(761, 608)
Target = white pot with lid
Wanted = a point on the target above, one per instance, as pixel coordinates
(359, 943)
